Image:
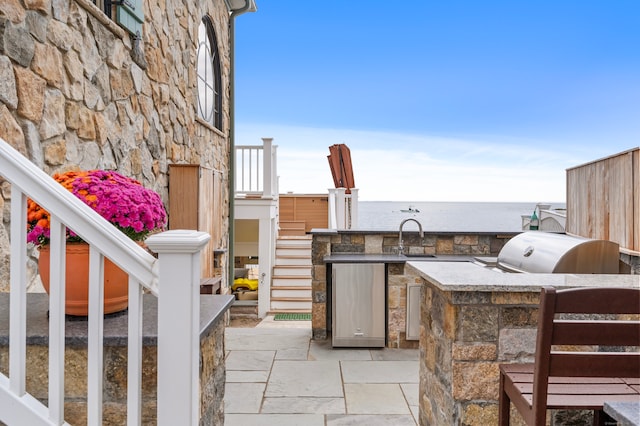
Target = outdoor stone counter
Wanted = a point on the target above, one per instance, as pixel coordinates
(212, 369)
(337, 246)
(625, 413)
(472, 320)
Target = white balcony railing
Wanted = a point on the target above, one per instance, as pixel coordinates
(178, 311)
(256, 176)
(256, 170)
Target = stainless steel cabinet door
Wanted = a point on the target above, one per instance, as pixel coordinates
(358, 296)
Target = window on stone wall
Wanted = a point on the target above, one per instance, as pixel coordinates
(106, 6)
(209, 79)
(129, 14)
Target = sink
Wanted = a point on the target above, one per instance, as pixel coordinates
(419, 256)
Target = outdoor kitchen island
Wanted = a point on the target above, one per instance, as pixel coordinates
(474, 318)
(366, 246)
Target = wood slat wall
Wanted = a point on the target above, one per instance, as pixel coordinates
(192, 205)
(603, 199)
(636, 198)
(312, 209)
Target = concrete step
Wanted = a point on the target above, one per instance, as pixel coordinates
(297, 292)
(290, 303)
(289, 311)
(244, 309)
(291, 299)
(299, 237)
(291, 271)
(293, 260)
(289, 232)
(293, 251)
(293, 242)
(299, 281)
(292, 228)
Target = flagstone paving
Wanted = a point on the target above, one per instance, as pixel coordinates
(276, 375)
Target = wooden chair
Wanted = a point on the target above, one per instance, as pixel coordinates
(564, 379)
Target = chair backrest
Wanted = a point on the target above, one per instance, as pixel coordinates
(598, 323)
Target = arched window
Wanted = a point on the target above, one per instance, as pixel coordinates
(209, 78)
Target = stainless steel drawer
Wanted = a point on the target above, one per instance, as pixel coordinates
(358, 300)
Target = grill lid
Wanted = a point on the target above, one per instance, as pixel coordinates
(544, 252)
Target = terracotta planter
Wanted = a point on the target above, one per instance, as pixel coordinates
(116, 286)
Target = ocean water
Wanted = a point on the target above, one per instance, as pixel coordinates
(446, 216)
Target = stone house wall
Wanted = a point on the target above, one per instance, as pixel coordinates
(369, 242)
(73, 97)
(630, 263)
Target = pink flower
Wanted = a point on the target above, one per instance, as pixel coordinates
(123, 201)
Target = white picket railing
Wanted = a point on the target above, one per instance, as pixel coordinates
(178, 307)
(256, 175)
(256, 170)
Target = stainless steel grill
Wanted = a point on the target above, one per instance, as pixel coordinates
(544, 252)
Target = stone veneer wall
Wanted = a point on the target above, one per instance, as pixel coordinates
(377, 242)
(72, 97)
(212, 379)
(464, 336)
(630, 262)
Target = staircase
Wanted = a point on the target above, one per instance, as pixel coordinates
(175, 268)
(291, 279)
(292, 228)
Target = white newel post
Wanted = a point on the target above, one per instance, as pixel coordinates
(341, 215)
(274, 171)
(353, 219)
(333, 220)
(267, 171)
(178, 325)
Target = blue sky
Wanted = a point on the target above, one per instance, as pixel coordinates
(440, 100)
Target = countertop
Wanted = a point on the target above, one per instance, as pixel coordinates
(362, 231)
(625, 413)
(389, 258)
(212, 308)
(468, 276)
(364, 258)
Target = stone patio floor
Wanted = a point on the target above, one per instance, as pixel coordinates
(276, 375)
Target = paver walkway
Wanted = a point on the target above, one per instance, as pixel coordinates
(276, 375)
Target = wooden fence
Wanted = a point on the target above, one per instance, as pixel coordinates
(310, 208)
(603, 199)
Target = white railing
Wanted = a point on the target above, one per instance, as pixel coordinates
(343, 208)
(256, 169)
(256, 175)
(178, 308)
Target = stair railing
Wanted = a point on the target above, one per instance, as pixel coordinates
(178, 307)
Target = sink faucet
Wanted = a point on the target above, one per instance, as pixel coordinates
(400, 242)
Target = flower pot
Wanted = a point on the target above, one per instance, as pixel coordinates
(116, 281)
